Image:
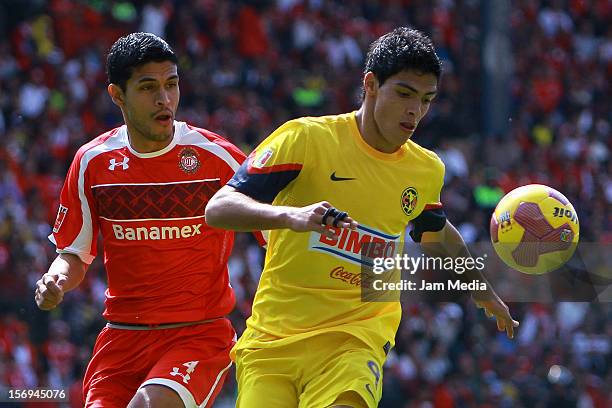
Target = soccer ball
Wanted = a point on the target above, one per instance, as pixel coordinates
(534, 229)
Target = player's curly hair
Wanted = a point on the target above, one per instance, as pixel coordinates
(133, 50)
(402, 49)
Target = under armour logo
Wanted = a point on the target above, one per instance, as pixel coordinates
(191, 365)
(124, 164)
(186, 377)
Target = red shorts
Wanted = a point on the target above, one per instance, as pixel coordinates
(192, 360)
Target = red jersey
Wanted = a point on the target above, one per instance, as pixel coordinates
(163, 263)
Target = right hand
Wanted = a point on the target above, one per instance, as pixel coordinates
(49, 291)
(495, 307)
(309, 218)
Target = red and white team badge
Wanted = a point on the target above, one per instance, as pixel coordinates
(188, 160)
(59, 220)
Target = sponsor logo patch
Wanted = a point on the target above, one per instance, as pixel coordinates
(342, 274)
(357, 246)
(262, 158)
(59, 220)
(155, 233)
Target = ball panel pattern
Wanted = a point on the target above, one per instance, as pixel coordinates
(526, 252)
(531, 218)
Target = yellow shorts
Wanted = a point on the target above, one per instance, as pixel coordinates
(320, 371)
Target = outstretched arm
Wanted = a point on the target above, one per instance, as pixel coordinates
(448, 242)
(231, 209)
(65, 273)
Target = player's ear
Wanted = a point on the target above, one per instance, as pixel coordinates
(116, 94)
(370, 84)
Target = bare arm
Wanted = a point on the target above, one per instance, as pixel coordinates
(448, 242)
(65, 273)
(230, 209)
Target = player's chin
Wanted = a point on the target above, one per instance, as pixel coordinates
(161, 135)
(402, 137)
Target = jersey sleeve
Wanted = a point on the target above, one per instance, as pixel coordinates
(276, 162)
(229, 167)
(433, 217)
(76, 226)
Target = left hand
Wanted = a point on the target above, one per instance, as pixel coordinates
(495, 307)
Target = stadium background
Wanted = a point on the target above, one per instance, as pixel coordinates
(248, 66)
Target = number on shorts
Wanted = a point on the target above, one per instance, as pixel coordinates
(375, 370)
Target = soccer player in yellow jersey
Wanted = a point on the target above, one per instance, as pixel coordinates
(311, 341)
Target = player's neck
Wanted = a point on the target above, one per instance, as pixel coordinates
(370, 132)
(146, 144)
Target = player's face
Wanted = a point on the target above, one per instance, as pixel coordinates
(149, 104)
(399, 105)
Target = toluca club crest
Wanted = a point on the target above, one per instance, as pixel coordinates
(188, 160)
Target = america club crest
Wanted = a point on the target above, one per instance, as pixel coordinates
(188, 160)
(409, 200)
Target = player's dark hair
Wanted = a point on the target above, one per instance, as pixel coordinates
(133, 50)
(400, 50)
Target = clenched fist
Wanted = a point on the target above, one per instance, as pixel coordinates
(49, 291)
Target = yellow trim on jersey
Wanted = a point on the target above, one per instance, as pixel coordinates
(397, 155)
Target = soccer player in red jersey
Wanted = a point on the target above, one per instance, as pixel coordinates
(144, 186)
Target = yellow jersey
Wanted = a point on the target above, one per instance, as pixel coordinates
(310, 284)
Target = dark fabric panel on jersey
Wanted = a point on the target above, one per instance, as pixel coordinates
(144, 201)
(263, 186)
(427, 221)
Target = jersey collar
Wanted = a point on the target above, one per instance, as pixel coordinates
(369, 150)
(178, 127)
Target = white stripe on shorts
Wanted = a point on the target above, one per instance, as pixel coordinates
(210, 393)
(183, 392)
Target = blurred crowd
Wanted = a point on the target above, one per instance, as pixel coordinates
(248, 66)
